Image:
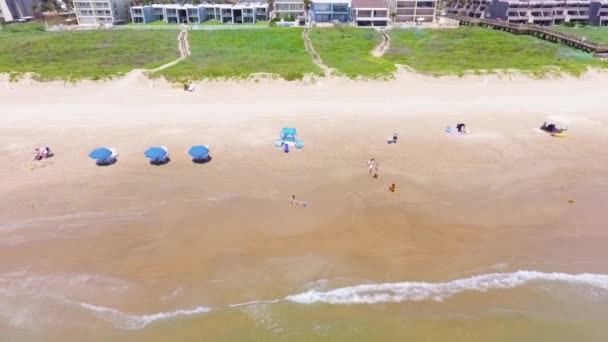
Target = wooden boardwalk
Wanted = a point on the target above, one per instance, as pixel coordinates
(598, 49)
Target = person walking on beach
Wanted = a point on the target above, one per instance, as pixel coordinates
(370, 166)
(392, 188)
(293, 200)
(376, 170)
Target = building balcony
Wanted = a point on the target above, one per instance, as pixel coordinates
(401, 11)
(371, 18)
(406, 4)
(425, 11)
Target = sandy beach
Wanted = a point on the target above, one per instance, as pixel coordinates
(497, 235)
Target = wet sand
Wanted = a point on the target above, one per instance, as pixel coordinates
(93, 253)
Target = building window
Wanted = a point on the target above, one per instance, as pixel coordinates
(342, 8)
(323, 8)
(426, 4)
(323, 18)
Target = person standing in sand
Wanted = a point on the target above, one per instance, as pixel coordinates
(392, 188)
(370, 166)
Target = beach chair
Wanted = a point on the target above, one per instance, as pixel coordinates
(157, 155)
(111, 159)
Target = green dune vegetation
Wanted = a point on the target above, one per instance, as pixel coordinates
(348, 50)
(469, 49)
(240, 53)
(596, 34)
(212, 22)
(82, 55)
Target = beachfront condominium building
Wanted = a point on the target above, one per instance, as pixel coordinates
(537, 12)
(289, 10)
(544, 13)
(100, 12)
(330, 11)
(13, 10)
(418, 11)
(369, 13)
(598, 13)
(240, 13)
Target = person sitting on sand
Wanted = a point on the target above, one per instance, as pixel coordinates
(552, 128)
(37, 154)
(392, 188)
(462, 128)
(42, 153)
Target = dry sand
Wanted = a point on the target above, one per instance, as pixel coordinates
(180, 235)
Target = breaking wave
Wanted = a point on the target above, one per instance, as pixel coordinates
(357, 294)
(421, 291)
(122, 320)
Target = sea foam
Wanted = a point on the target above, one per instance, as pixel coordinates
(122, 320)
(422, 291)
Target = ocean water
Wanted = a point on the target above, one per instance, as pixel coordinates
(524, 305)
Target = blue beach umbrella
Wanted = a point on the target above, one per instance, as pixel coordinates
(155, 152)
(100, 153)
(199, 151)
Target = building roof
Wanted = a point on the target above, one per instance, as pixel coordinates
(369, 4)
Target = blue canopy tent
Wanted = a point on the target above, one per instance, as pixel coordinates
(289, 136)
(199, 153)
(103, 155)
(157, 154)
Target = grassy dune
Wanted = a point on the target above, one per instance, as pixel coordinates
(596, 34)
(349, 51)
(240, 53)
(83, 55)
(458, 51)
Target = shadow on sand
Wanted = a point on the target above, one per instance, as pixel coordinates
(159, 163)
(202, 161)
(108, 163)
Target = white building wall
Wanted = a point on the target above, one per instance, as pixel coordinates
(5, 12)
(99, 12)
